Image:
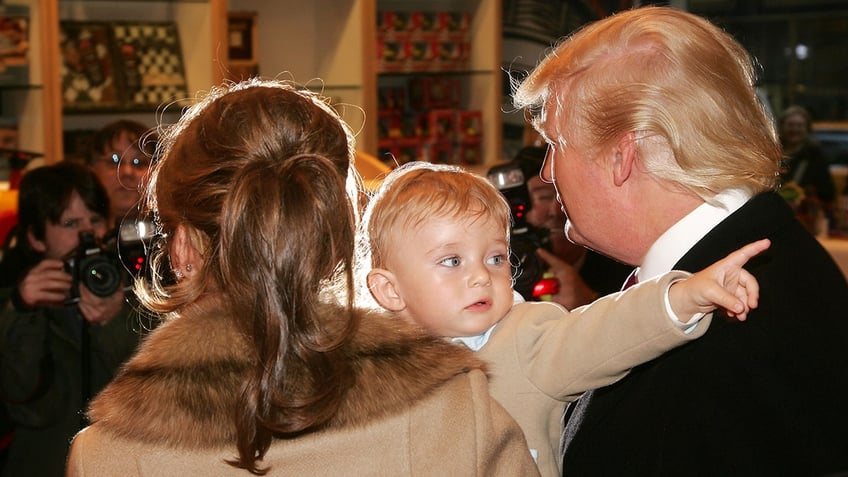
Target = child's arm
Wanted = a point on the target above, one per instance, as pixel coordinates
(724, 284)
(565, 354)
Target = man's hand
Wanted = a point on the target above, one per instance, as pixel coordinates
(100, 310)
(47, 284)
(573, 291)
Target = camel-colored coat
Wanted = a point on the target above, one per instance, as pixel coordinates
(542, 357)
(419, 406)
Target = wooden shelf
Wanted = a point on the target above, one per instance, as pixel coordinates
(202, 25)
(337, 55)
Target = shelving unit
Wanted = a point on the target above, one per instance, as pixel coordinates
(337, 55)
(330, 45)
(42, 121)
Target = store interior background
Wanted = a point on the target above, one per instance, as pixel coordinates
(799, 44)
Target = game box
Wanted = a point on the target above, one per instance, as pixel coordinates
(121, 65)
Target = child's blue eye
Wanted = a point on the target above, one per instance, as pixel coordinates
(496, 260)
(450, 262)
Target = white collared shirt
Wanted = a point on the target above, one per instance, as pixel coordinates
(682, 236)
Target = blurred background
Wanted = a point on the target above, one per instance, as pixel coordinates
(801, 47)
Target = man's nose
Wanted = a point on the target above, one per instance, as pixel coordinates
(547, 163)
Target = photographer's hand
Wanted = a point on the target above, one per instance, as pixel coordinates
(46, 284)
(100, 310)
(573, 291)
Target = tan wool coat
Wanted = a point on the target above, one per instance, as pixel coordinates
(542, 357)
(418, 406)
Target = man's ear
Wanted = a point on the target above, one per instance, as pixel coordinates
(36, 244)
(624, 158)
(381, 283)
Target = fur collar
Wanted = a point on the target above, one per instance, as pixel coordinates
(180, 389)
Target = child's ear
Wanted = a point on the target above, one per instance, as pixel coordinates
(381, 283)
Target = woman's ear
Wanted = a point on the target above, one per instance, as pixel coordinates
(185, 259)
(382, 285)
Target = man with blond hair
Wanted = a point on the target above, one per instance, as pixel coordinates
(664, 158)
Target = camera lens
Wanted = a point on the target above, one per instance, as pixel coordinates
(100, 276)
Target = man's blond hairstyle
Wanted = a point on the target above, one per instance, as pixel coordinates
(685, 88)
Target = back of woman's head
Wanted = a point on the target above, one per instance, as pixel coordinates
(257, 176)
(685, 87)
(202, 156)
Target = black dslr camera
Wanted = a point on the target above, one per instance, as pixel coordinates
(103, 269)
(95, 267)
(528, 269)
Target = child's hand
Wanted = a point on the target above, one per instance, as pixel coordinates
(724, 284)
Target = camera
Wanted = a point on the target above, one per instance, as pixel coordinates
(93, 266)
(528, 269)
(131, 242)
(103, 269)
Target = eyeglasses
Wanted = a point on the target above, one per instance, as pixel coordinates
(135, 162)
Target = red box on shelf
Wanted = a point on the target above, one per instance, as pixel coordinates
(442, 124)
(470, 125)
(454, 22)
(434, 92)
(442, 152)
(391, 98)
(421, 54)
(392, 21)
(389, 124)
(391, 56)
(425, 25)
(470, 153)
(408, 150)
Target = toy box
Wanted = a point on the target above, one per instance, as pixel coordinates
(470, 153)
(431, 92)
(442, 124)
(470, 125)
(442, 152)
(14, 45)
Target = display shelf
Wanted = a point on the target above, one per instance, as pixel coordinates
(41, 119)
(337, 55)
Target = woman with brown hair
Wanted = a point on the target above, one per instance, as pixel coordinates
(263, 363)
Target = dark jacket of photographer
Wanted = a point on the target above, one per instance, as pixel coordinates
(41, 375)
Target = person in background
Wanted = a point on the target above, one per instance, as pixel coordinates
(55, 354)
(664, 158)
(805, 162)
(583, 274)
(263, 364)
(121, 154)
(439, 243)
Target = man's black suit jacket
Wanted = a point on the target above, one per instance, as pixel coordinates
(768, 396)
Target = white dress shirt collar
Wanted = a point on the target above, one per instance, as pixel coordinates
(682, 236)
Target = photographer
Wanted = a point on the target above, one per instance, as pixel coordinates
(583, 274)
(61, 341)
